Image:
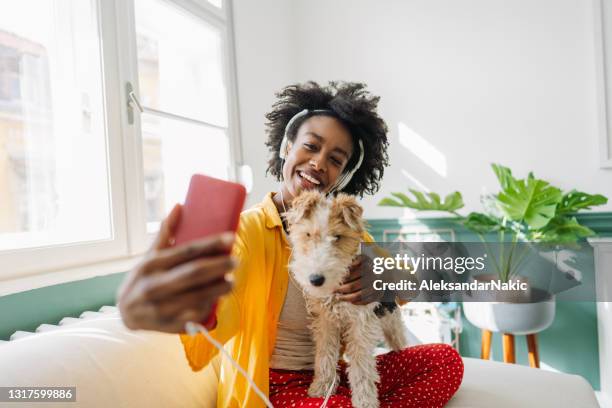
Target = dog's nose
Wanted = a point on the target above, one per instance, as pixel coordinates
(317, 280)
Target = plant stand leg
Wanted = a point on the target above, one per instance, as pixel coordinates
(532, 347)
(485, 350)
(508, 343)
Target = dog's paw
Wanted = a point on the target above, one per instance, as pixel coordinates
(320, 388)
(365, 401)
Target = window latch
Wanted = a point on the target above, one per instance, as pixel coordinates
(132, 102)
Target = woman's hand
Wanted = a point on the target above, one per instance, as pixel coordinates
(357, 287)
(172, 286)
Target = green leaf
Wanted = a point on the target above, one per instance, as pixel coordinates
(389, 202)
(577, 200)
(424, 201)
(504, 175)
(405, 200)
(435, 199)
(564, 230)
(453, 201)
(481, 223)
(532, 201)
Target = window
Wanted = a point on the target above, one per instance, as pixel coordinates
(52, 127)
(84, 177)
(183, 92)
(603, 49)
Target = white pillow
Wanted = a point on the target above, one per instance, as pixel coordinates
(110, 366)
(491, 384)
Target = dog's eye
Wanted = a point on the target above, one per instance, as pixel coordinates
(337, 237)
(308, 234)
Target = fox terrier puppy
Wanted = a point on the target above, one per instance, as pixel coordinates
(326, 235)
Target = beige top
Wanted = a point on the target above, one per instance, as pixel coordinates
(294, 348)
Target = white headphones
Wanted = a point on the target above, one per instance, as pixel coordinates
(346, 176)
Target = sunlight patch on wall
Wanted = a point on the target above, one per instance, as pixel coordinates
(423, 149)
(417, 183)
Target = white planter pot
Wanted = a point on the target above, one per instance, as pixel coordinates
(512, 318)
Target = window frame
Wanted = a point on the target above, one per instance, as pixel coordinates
(602, 16)
(117, 34)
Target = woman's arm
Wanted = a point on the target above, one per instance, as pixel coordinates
(172, 286)
(358, 286)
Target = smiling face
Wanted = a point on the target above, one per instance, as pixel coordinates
(317, 156)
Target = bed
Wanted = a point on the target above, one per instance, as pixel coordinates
(114, 367)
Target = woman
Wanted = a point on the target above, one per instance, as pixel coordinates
(327, 138)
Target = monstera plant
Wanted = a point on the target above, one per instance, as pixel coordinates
(528, 209)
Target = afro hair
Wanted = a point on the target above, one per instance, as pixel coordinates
(351, 104)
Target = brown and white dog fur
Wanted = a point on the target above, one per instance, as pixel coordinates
(326, 235)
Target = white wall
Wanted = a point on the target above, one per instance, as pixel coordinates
(468, 83)
(265, 63)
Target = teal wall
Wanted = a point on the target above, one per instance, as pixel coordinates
(27, 310)
(569, 345)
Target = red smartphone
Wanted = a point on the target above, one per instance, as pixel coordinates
(212, 206)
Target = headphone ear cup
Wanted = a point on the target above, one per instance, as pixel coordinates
(284, 149)
(339, 184)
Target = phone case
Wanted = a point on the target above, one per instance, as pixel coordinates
(212, 206)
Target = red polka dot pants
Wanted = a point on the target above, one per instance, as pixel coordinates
(424, 376)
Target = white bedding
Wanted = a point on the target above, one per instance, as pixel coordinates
(113, 367)
(492, 384)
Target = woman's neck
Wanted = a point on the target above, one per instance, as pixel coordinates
(282, 200)
(282, 205)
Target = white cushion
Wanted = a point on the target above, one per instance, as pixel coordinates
(110, 366)
(114, 367)
(492, 384)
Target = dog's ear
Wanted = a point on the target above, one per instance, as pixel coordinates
(351, 212)
(303, 205)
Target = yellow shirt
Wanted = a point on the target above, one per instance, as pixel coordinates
(248, 316)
